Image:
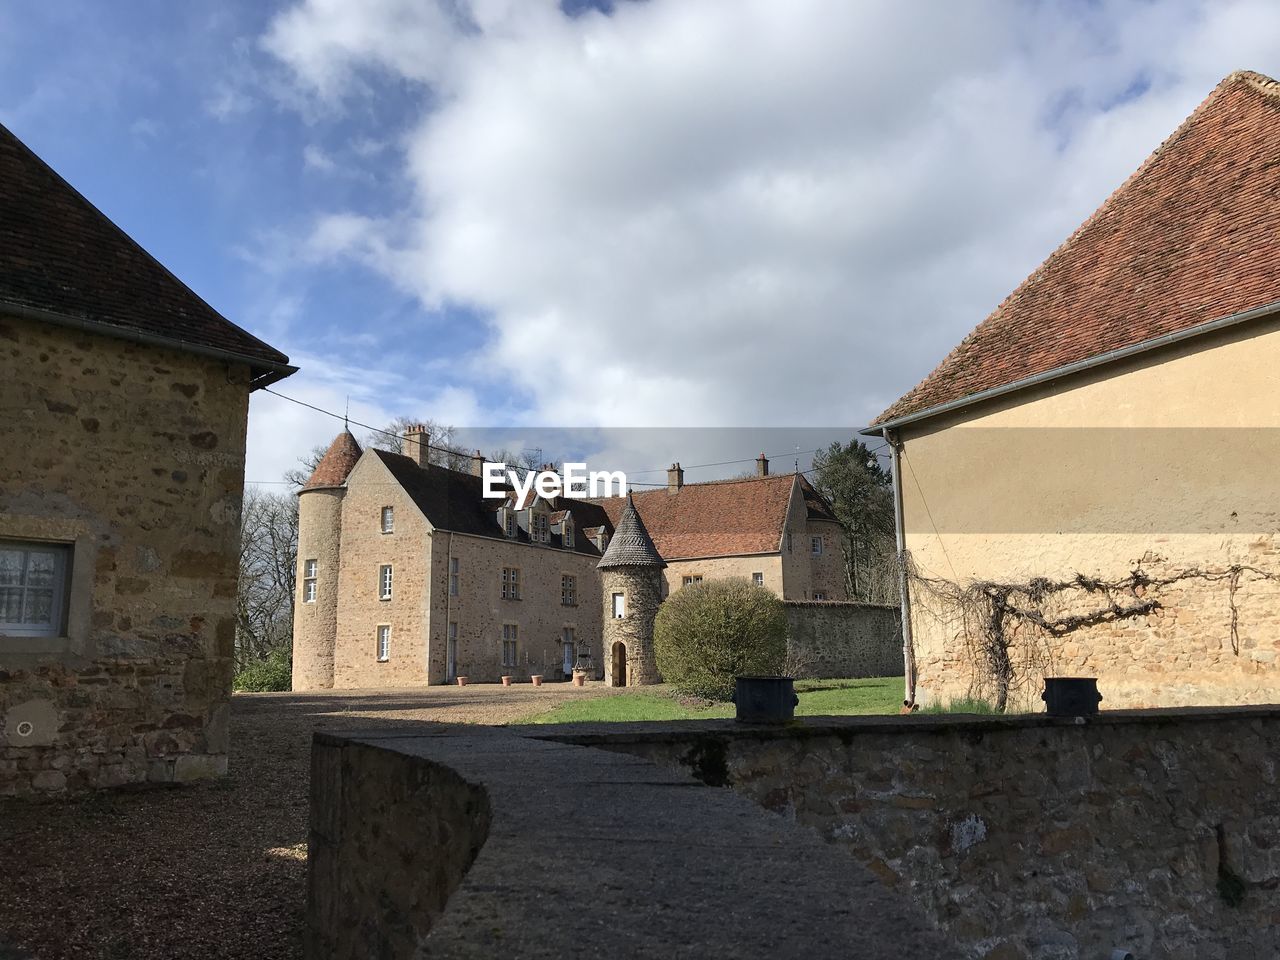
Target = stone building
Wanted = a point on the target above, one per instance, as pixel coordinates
(1093, 469)
(122, 421)
(631, 572)
(408, 575)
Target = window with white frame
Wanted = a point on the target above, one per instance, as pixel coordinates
(34, 580)
(510, 644)
(568, 591)
(690, 581)
(570, 642)
(817, 546)
(384, 582)
(566, 537)
(541, 528)
(453, 576)
(510, 583)
(384, 643)
(510, 523)
(309, 570)
(758, 579)
(388, 519)
(619, 606)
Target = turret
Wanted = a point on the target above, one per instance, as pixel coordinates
(631, 570)
(315, 608)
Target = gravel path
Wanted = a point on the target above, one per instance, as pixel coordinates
(217, 870)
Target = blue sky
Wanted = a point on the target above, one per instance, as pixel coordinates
(668, 213)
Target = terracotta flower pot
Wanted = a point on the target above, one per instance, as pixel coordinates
(579, 679)
(506, 681)
(537, 679)
(462, 681)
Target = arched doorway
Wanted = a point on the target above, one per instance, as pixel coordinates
(618, 665)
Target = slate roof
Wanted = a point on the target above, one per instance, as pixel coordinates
(336, 464)
(1189, 238)
(630, 545)
(60, 255)
(723, 518)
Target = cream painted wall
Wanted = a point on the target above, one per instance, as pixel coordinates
(1170, 460)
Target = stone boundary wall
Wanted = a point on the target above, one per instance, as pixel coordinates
(837, 639)
(1027, 838)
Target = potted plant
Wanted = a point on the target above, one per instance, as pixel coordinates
(537, 679)
(506, 679)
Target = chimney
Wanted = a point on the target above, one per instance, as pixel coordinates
(762, 466)
(675, 478)
(417, 444)
(477, 464)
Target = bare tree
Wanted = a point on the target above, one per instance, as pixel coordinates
(268, 565)
(298, 476)
(443, 449)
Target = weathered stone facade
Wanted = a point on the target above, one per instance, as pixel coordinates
(843, 640)
(1030, 838)
(133, 456)
(629, 639)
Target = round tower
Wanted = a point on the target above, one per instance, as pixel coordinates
(631, 570)
(315, 607)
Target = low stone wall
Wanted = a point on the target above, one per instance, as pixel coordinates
(1028, 838)
(392, 836)
(834, 639)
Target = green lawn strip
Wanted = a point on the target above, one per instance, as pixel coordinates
(878, 695)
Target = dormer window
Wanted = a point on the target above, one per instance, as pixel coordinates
(540, 528)
(567, 536)
(510, 523)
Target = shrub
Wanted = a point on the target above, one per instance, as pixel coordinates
(708, 633)
(272, 673)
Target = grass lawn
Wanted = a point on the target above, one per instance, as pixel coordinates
(878, 695)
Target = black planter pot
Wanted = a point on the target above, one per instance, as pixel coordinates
(1071, 696)
(765, 699)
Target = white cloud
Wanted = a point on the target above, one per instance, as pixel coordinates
(749, 213)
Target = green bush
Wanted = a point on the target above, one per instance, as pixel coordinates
(273, 673)
(708, 633)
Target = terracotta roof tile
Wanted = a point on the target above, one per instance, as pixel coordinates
(631, 545)
(336, 464)
(60, 254)
(1189, 238)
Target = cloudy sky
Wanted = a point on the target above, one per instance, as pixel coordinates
(665, 213)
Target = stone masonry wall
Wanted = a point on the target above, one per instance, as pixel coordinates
(315, 623)
(844, 640)
(1031, 838)
(135, 456)
(642, 589)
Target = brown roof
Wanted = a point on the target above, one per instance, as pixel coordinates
(336, 464)
(60, 255)
(1189, 238)
(723, 518)
(630, 545)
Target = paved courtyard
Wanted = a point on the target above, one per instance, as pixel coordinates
(217, 870)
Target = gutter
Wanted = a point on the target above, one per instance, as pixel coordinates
(271, 371)
(1111, 356)
(904, 586)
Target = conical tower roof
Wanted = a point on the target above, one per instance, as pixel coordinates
(630, 545)
(337, 462)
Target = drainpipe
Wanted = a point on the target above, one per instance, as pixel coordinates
(448, 609)
(899, 529)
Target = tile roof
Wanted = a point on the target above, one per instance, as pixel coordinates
(630, 545)
(1189, 238)
(336, 464)
(60, 255)
(722, 518)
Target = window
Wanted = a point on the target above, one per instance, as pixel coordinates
(309, 569)
(510, 636)
(453, 576)
(758, 579)
(819, 596)
(511, 524)
(619, 606)
(568, 591)
(33, 588)
(566, 538)
(388, 519)
(384, 643)
(690, 581)
(817, 546)
(539, 527)
(384, 582)
(510, 583)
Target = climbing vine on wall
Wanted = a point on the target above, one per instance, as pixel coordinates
(1009, 628)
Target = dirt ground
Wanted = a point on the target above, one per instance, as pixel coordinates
(217, 870)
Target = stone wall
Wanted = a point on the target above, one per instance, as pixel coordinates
(315, 623)
(641, 588)
(844, 640)
(133, 456)
(1029, 838)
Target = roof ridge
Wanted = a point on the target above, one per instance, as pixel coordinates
(1258, 82)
